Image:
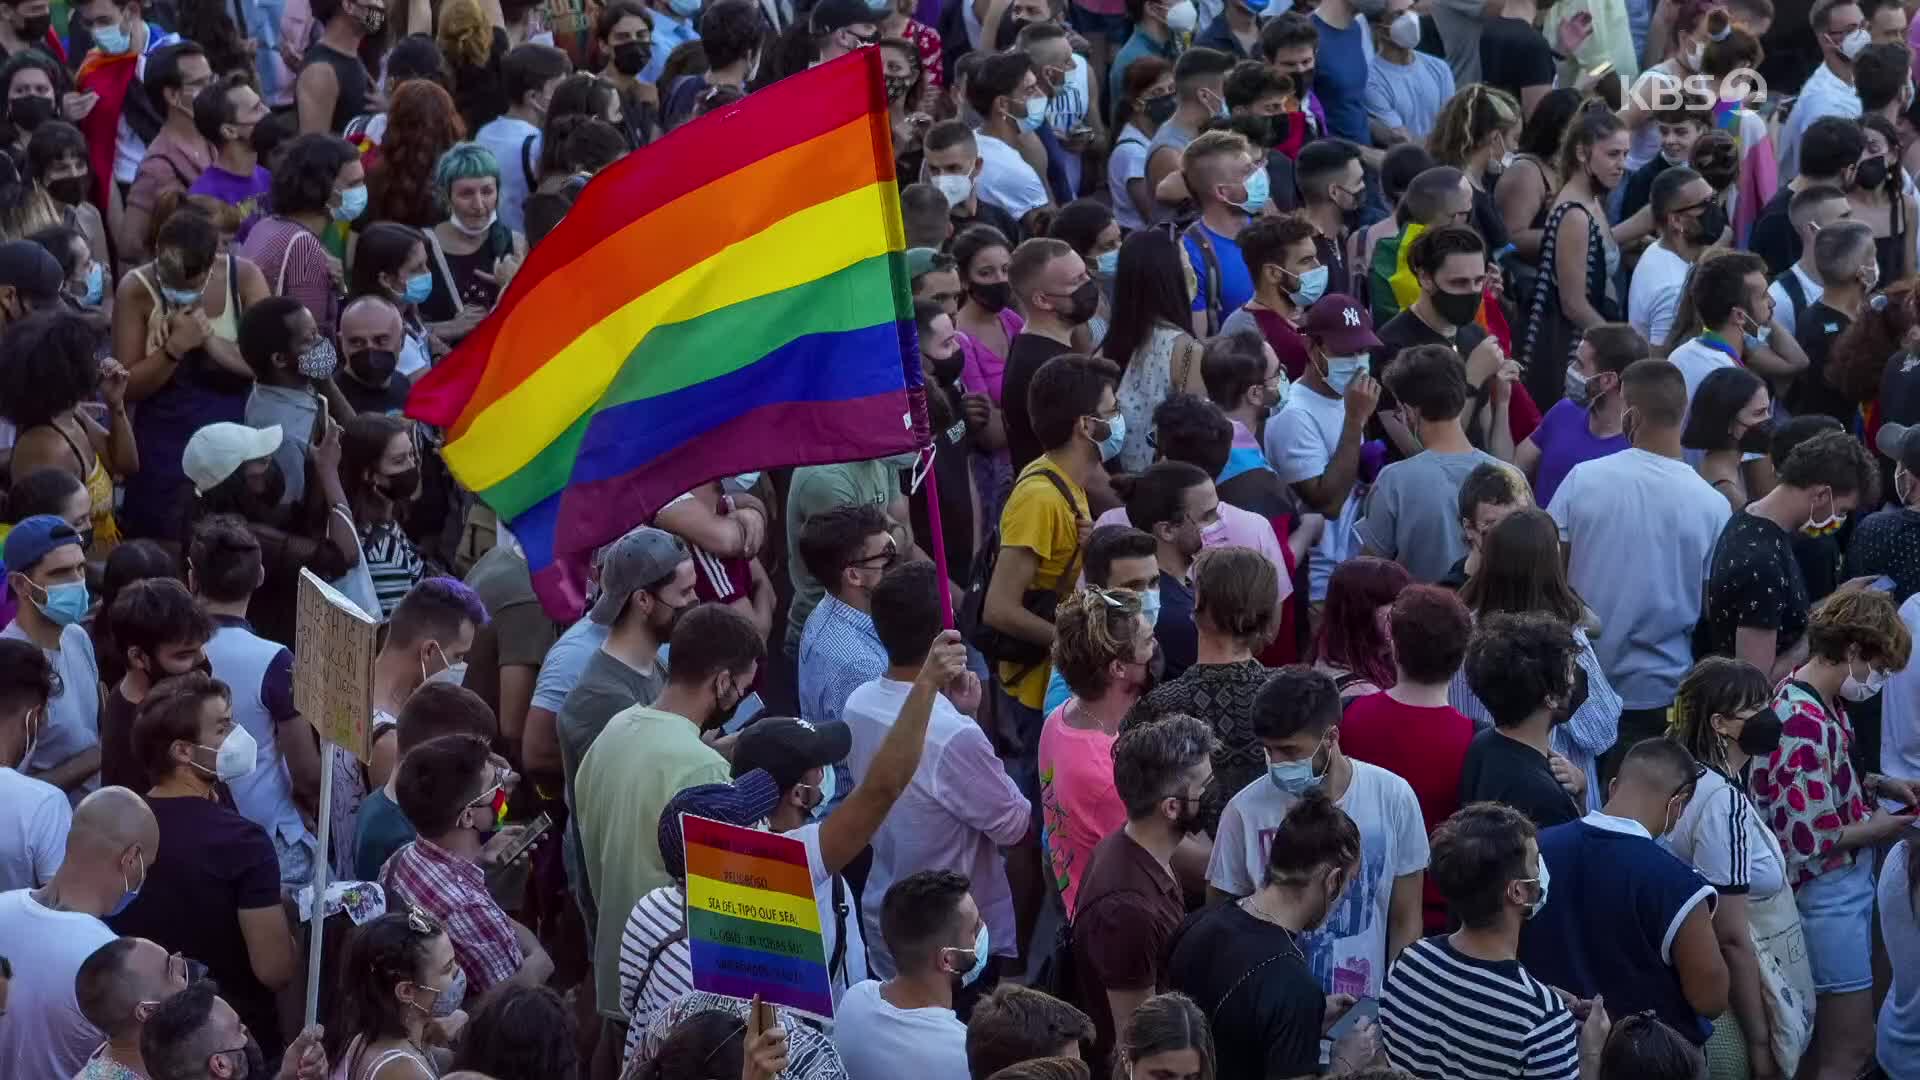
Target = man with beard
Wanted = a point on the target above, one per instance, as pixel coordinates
(644, 757)
(161, 632)
(194, 1035)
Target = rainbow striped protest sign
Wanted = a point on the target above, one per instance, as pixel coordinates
(753, 925)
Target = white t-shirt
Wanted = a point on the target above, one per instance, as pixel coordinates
(1900, 711)
(1722, 836)
(874, 1038)
(854, 966)
(1006, 180)
(1783, 303)
(44, 1035)
(1654, 294)
(505, 137)
(1696, 360)
(1066, 110)
(73, 717)
(1349, 954)
(1661, 513)
(34, 818)
(1299, 441)
(1127, 161)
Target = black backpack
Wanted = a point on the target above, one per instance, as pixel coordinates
(991, 642)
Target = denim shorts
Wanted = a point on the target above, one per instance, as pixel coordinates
(1836, 914)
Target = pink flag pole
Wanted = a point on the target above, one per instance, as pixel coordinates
(938, 540)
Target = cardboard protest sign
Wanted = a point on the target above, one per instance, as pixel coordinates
(333, 665)
(753, 926)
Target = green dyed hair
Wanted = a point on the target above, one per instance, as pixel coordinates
(464, 161)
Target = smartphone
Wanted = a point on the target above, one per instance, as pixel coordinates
(1883, 583)
(320, 420)
(1364, 1009)
(1600, 70)
(535, 830)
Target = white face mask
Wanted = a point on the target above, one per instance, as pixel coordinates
(1861, 689)
(956, 188)
(1852, 45)
(236, 756)
(1183, 17)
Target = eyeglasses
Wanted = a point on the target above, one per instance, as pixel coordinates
(884, 559)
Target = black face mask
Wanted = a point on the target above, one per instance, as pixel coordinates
(1871, 174)
(630, 57)
(402, 485)
(1458, 309)
(1576, 697)
(372, 366)
(68, 190)
(1084, 305)
(1159, 109)
(1758, 439)
(994, 296)
(1713, 222)
(898, 87)
(1761, 735)
(35, 28)
(946, 369)
(28, 113)
(263, 505)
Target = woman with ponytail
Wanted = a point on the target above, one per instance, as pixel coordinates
(1168, 1036)
(1478, 132)
(1723, 716)
(400, 995)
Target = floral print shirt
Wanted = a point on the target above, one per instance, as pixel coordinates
(1807, 790)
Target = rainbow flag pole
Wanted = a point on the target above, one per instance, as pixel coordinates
(733, 297)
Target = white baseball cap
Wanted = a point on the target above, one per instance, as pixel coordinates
(216, 450)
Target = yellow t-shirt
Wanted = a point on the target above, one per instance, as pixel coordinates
(1035, 518)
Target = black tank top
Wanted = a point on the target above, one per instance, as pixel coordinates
(351, 75)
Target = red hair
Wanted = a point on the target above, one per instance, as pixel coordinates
(1350, 633)
(422, 124)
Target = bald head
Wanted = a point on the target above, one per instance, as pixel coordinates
(123, 982)
(1656, 392)
(370, 322)
(111, 820)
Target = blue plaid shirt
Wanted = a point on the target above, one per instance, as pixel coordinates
(839, 653)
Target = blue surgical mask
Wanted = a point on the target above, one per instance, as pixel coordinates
(1296, 777)
(65, 604)
(113, 40)
(419, 287)
(746, 480)
(1342, 370)
(980, 946)
(132, 892)
(96, 284)
(1258, 190)
(353, 203)
(1036, 113)
(1107, 263)
(1150, 606)
(1313, 283)
(686, 9)
(179, 298)
(1116, 437)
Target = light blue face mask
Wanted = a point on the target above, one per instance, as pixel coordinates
(1036, 113)
(1116, 437)
(113, 40)
(746, 480)
(1150, 606)
(419, 287)
(96, 284)
(1107, 263)
(686, 9)
(1296, 777)
(826, 788)
(132, 892)
(65, 604)
(353, 203)
(1259, 189)
(179, 298)
(1342, 370)
(980, 945)
(1313, 284)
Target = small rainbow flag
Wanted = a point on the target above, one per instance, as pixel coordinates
(733, 297)
(753, 923)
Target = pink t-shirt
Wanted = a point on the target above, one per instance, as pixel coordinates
(1237, 528)
(1079, 805)
(983, 370)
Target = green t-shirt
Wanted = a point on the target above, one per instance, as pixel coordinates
(379, 831)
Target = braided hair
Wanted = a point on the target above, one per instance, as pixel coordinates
(1468, 120)
(379, 956)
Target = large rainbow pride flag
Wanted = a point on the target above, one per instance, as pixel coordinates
(730, 298)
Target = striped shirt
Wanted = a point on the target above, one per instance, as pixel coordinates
(660, 916)
(395, 565)
(1446, 1016)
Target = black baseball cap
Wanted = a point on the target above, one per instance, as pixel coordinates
(31, 270)
(1901, 442)
(787, 747)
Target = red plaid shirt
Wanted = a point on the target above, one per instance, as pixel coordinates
(454, 891)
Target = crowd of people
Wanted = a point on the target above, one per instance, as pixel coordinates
(1426, 491)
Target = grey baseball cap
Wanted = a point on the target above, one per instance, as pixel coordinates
(646, 556)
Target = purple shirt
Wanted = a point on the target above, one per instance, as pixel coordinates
(245, 192)
(1564, 441)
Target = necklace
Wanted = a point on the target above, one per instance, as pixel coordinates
(1251, 906)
